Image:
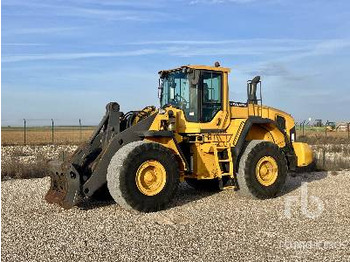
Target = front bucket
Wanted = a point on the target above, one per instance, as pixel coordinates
(65, 185)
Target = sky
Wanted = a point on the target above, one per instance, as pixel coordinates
(66, 59)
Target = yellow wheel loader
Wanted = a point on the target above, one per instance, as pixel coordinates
(197, 136)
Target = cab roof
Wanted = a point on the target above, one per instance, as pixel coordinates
(201, 67)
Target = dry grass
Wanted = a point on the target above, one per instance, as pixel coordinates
(331, 149)
(30, 161)
(332, 157)
(332, 153)
(16, 169)
(43, 135)
(323, 140)
(72, 135)
(314, 136)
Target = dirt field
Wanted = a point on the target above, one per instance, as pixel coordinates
(43, 135)
(309, 222)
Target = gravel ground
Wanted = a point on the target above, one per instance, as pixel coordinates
(198, 226)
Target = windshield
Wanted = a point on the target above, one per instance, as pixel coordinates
(178, 90)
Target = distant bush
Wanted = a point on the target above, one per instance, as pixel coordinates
(30, 161)
(16, 169)
(332, 157)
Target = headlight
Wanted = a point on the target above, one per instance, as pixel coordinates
(171, 127)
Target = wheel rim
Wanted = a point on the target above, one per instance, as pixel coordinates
(150, 177)
(266, 171)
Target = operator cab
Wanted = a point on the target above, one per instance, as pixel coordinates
(196, 90)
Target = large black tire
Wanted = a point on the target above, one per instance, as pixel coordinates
(249, 185)
(210, 185)
(122, 170)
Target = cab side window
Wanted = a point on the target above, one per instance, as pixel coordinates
(211, 95)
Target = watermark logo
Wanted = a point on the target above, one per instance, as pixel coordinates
(305, 201)
(314, 245)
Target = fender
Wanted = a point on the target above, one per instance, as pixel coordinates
(239, 147)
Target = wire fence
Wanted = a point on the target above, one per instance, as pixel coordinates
(51, 131)
(44, 131)
(340, 130)
(331, 146)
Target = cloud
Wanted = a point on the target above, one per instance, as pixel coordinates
(265, 50)
(125, 3)
(251, 41)
(295, 65)
(112, 14)
(42, 30)
(73, 56)
(90, 9)
(277, 69)
(275, 49)
(179, 50)
(322, 47)
(23, 44)
(55, 3)
(194, 2)
(271, 69)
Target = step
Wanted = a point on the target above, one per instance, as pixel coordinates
(222, 147)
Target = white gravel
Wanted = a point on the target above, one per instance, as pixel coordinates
(197, 227)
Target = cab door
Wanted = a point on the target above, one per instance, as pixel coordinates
(211, 95)
(212, 107)
(205, 109)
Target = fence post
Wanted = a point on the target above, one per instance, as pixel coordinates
(304, 128)
(325, 130)
(324, 158)
(80, 131)
(52, 131)
(24, 131)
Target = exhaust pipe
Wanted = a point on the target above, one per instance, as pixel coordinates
(251, 89)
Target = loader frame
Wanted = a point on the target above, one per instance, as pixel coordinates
(81, 176)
